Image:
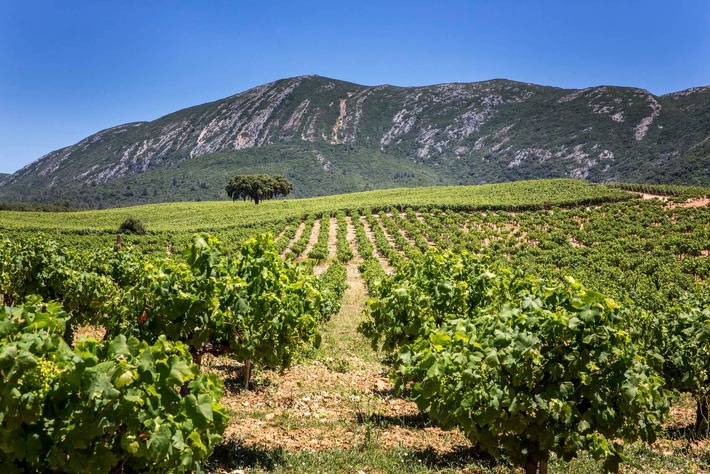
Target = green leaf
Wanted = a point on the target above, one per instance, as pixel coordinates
(124, 379)
(159, 442)
(180, 371)
(100, 379)
(630, 392)
(435, 370)
(204, 408)
(491, 356)
(118, 347)
(439, 339)
(195, 441)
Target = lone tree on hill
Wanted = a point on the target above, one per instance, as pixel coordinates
(257, 187)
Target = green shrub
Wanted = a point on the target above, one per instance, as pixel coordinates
(102, 406)
(132, 225)
(519, 364)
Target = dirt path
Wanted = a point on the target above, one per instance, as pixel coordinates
(350, 236)
(671, 205)
(646, 196)
(281, 233)
(425, 229)
(311, 241)
(332, 238)
(390, 239)
(380, 258)
(692, 203)
(296, 236)
(574, 242)
(339, 398)
(332, 247)
(405, 233)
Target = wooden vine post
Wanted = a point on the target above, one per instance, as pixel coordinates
(247, 373)
(531, 467)
(702, 415)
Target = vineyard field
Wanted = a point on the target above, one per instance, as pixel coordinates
(214, 216)
(345, 340)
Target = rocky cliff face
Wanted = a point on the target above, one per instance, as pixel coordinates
(487, 131)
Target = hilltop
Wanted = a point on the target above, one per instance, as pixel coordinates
(329, 136)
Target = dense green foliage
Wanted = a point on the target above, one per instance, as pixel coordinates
(343, 252)
(132, 226)
(100, 406)
(518, 363)
(332, 284)
(64, 206)
(255, 305)
(319, 252)
(424, 294)
(683, 335)
(651, 257)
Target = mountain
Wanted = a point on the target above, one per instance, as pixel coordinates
(329, 136)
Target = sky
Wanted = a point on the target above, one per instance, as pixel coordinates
(71, 68)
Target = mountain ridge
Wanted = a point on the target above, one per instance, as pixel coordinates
(449, 133)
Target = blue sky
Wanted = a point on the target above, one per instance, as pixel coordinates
(70, 68)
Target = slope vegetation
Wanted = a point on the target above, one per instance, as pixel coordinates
(331, 136)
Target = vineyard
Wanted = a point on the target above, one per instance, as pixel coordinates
(523, 327)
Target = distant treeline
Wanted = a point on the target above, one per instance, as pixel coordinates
(61, 206)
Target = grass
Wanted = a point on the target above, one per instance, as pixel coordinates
(236, 455)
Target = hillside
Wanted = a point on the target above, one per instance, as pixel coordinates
(330, 136)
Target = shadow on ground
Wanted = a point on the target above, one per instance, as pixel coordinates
(420, 420)
(232, 375)
(687, 432)
(234, 454)
(458, 458)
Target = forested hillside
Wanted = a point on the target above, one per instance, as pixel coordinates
(329, 136)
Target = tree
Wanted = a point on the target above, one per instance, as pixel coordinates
(257, 187)
(132, 225)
